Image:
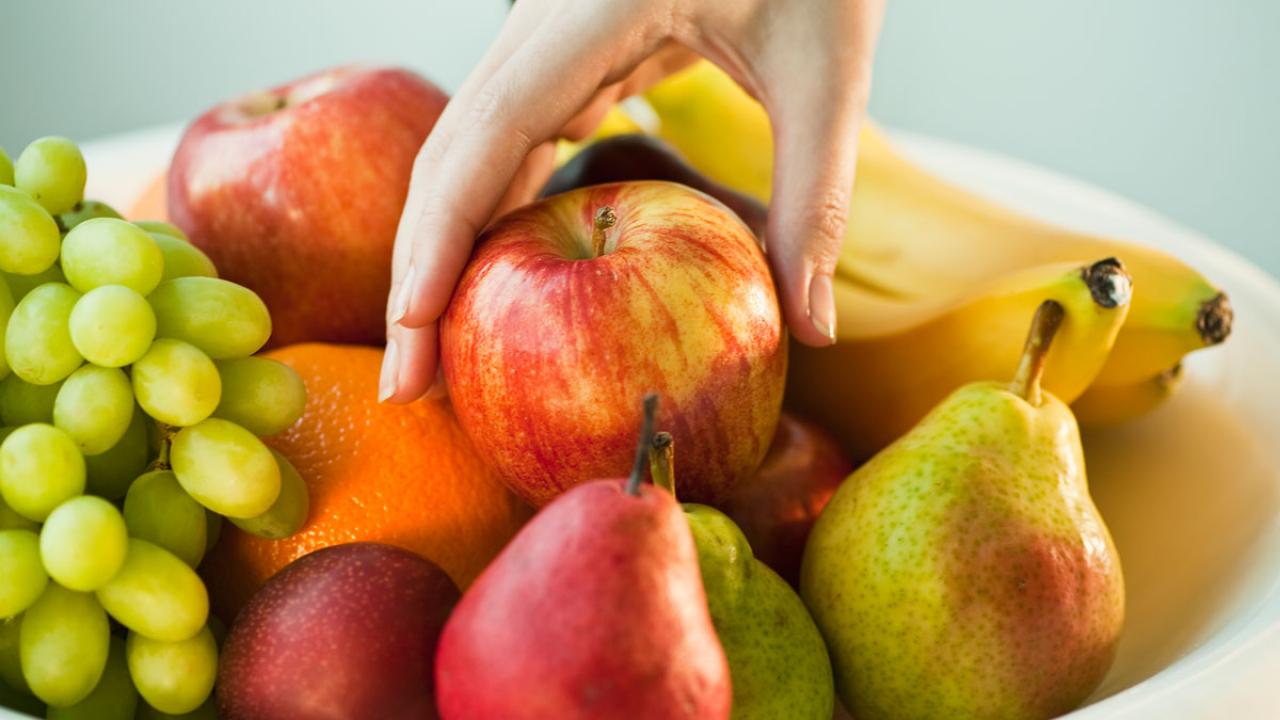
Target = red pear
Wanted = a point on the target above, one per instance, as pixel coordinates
(595, 610)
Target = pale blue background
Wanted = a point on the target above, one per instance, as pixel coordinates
(1173, 103)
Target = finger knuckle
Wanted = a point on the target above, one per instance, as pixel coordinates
(493, 112)
(827, 216)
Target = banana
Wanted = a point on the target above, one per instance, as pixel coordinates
(911, 235)
(720, 129)
(894, 360)
(1108, 405)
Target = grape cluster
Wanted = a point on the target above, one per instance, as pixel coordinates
(131, 405)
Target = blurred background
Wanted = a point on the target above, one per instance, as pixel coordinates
(1171, 103)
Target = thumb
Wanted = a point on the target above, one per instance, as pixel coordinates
(815, 139)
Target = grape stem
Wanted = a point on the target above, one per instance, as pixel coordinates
(166, 439)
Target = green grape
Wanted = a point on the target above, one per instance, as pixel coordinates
(207, 711)
(159, 511)
(14, 693)
(10, 660)
(174, 677)
(63, 645)
(160, 227)
(22, 403)
(288, 513)
(94, 407)
(85, 210)
(83, 543)
(6, 309)
(20, 285)
(176, 383)
(225, 468)
(37, 340)
(109, 474)
(29, 237)
(6, 168)
(52, 171)
(213, 530)
(40, 468)
(219, 630)
(10, 520)
(262, 395)
(114, 697)
(24, 576)
(106, 251)
(112, 326)
(155, 594)
(221, 318)
(182, 259)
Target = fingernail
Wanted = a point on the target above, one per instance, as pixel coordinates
(822, 305)
(403, 295)
(390, 371)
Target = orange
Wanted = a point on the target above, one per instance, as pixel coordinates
(153, 203)
(401, 474)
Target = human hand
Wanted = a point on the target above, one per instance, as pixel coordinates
(554, 70)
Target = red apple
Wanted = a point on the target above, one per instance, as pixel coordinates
(573, 307)
(296, 193)
(345, 633)
(776, 509)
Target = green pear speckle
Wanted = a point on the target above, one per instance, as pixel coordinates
(964, 571)
(778, 664)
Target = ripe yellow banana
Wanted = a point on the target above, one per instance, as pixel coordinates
(912, 235)
(1107, 405)
(894, 360)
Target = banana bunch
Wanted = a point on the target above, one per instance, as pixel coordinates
(918, 253)
(895, 361)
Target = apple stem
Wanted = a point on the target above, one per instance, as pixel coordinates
(166, 439)
(605, 218)
(646, 440)
(662, 462)
(1026, 381)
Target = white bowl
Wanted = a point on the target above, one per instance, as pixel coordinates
(1191, 492)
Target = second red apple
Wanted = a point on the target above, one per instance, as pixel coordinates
(296, 193)
(574, 307)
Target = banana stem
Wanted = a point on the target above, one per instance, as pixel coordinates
(662, 462)
(605, 218)
(1026, 381)
(1109, 283)
(646, 441)
(1213, 322)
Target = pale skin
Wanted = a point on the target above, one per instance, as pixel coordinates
(553, 72)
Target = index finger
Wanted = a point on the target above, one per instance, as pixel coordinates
(540, 87)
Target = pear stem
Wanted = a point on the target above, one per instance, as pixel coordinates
(1026, 381)
(646, 440)
(605, 218)
(662, 462)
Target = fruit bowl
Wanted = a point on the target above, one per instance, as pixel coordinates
(1191, 492)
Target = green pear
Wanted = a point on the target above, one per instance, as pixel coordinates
(964, 571)
(778, 664)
